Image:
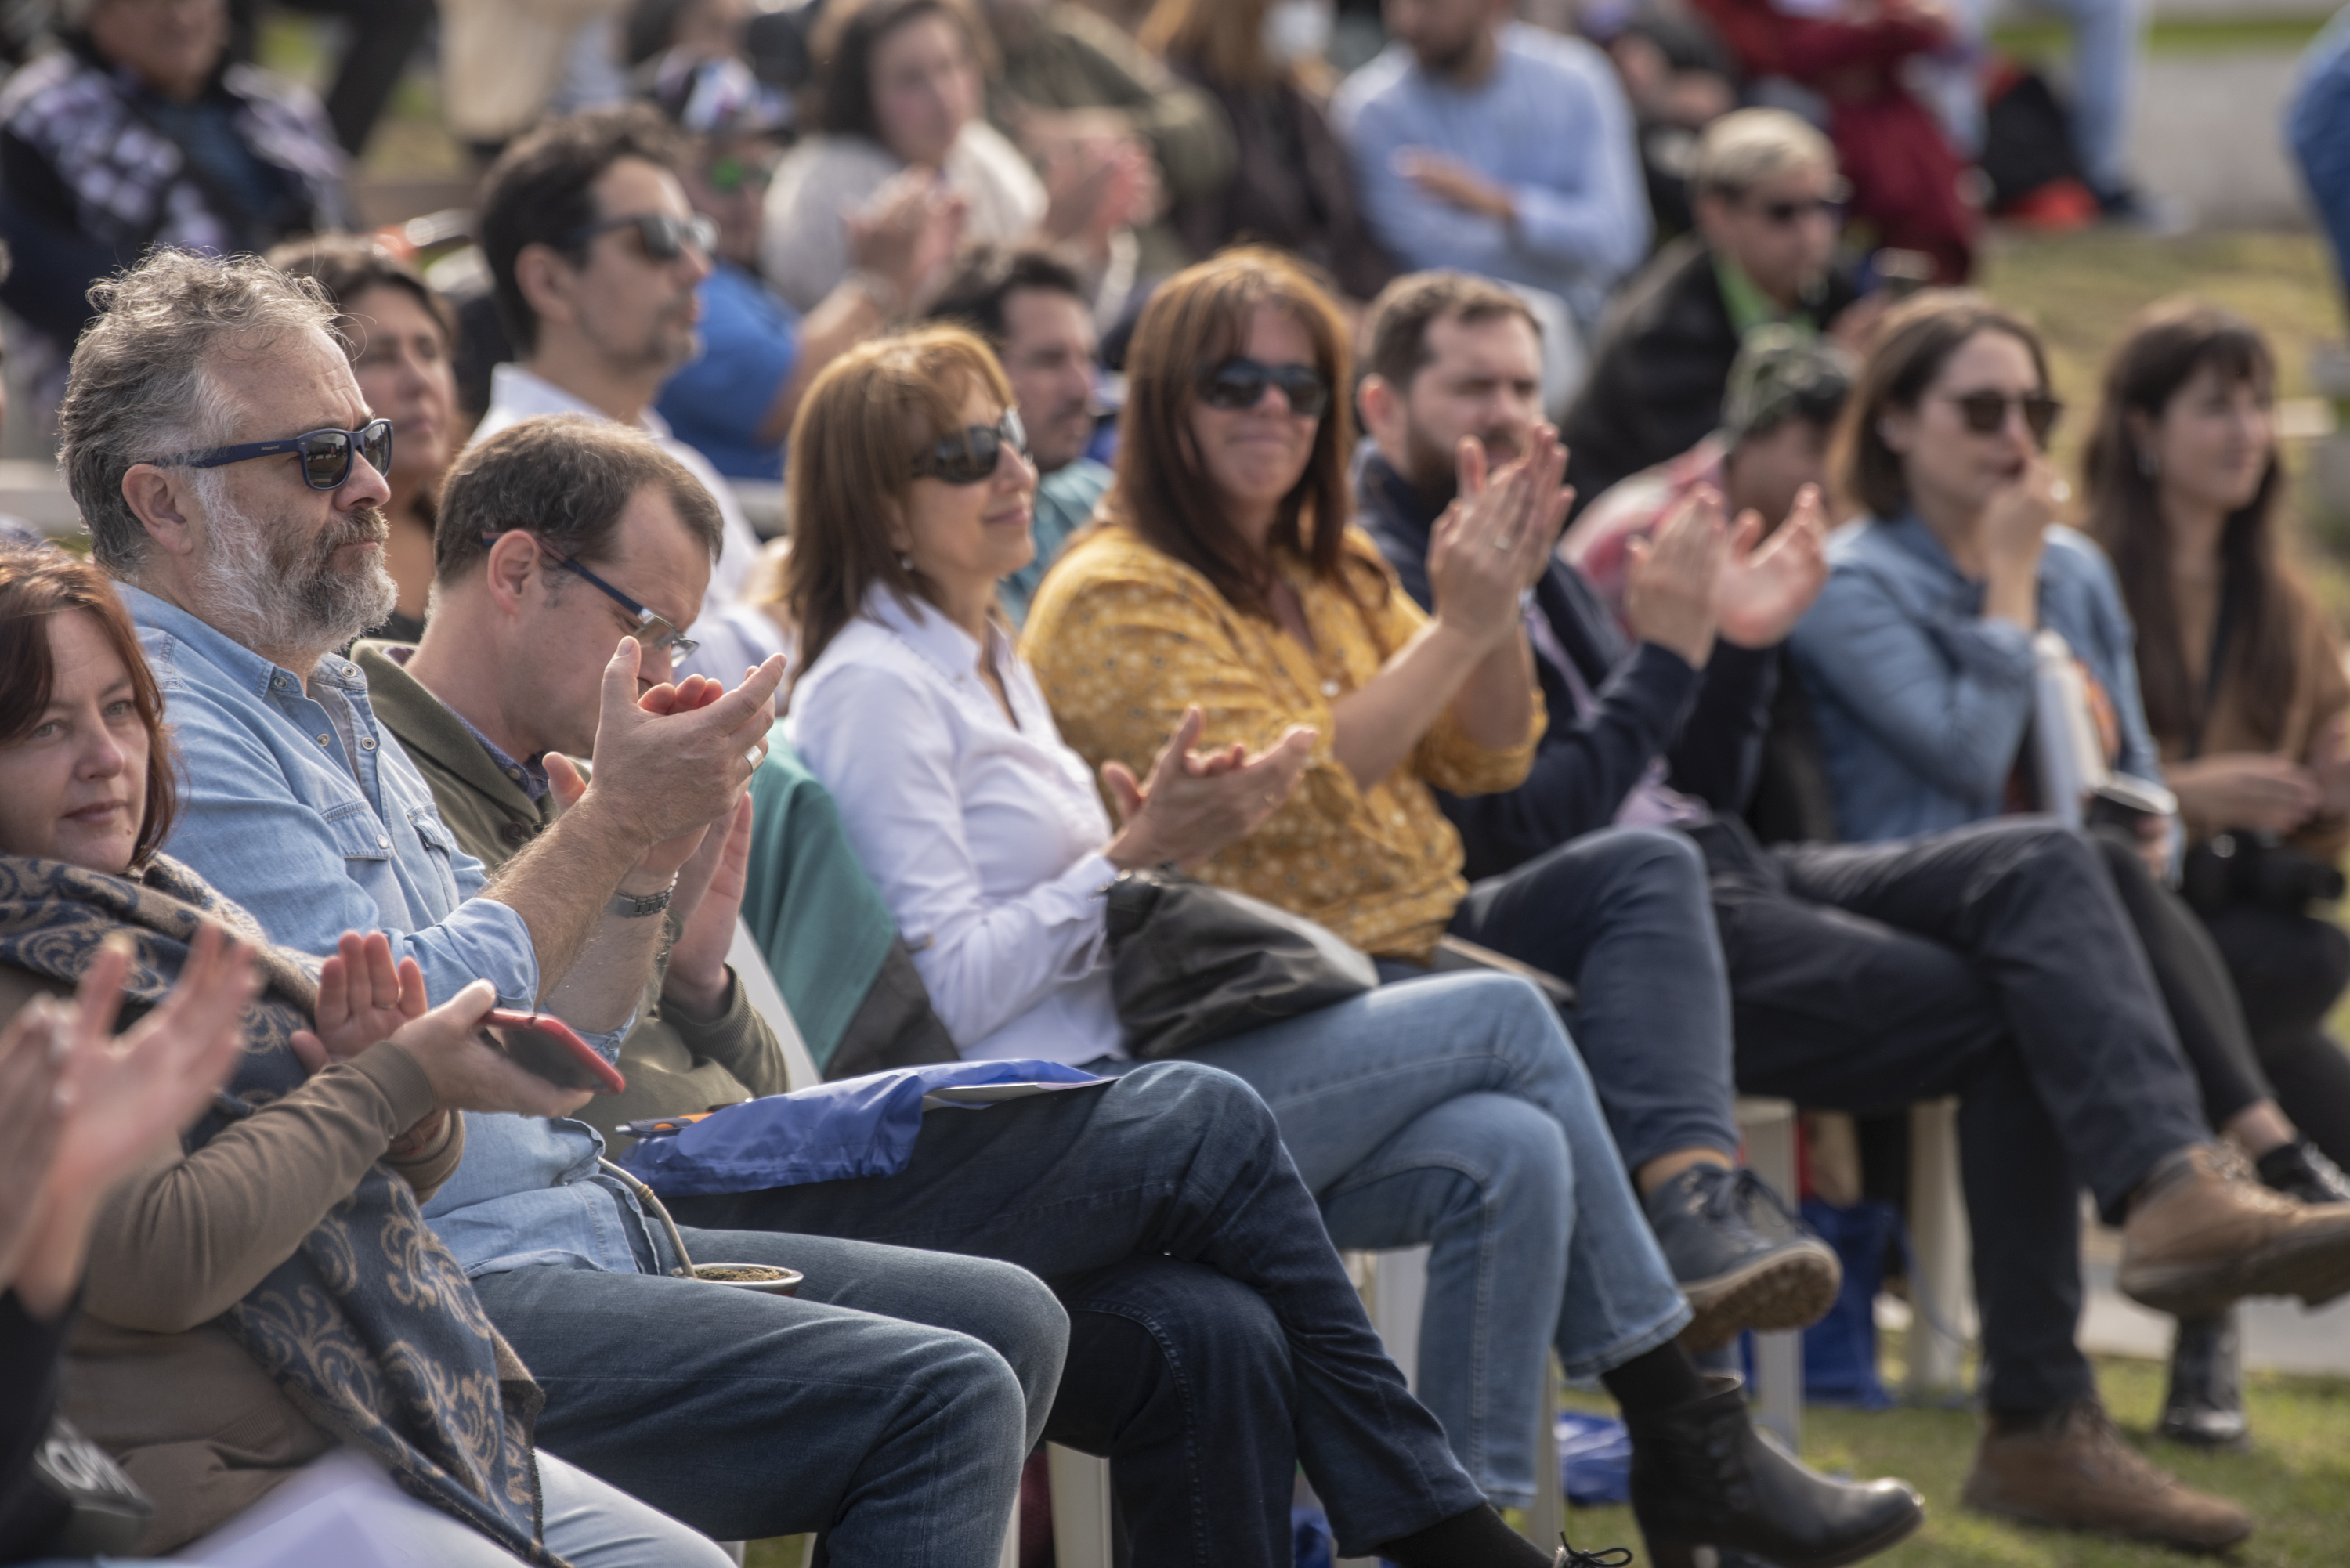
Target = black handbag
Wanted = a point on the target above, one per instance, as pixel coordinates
(1191, 964)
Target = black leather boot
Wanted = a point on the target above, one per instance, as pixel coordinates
(1703, 1477)
(2298, 1170)
(2205, 1406)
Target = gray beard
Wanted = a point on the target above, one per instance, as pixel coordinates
(290, 601)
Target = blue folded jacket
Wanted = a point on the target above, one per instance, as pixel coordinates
(858, 1126)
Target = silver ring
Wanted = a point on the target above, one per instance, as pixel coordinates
(1501, 543)
(755, 755)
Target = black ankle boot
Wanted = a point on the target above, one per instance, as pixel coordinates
(1702, 1476)
(2205, 1406)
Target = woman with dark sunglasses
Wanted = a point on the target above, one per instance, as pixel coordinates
(1918, 661)
(1223, 578)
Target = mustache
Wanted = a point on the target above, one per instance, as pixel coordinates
(362, 525)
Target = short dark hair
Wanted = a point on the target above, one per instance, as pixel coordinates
(1395, 327)
(37, 584)
(989, 276)
(347, 265)
(566, 478)
(539, 192)
(846, 36)
(1912, 344)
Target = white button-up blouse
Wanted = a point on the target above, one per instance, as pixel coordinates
(984, 835)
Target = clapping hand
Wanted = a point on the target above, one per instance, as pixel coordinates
(1671, 578)
(112, 1099)
(1195, 802)
(708, 902)
(1494, 541)
(1455, 183)
(362, 998)
(1761, 592)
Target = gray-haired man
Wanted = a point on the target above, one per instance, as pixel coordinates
(224, 460)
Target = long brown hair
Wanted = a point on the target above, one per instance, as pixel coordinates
(850, 466)
(1195, 321)
(2262, 600)
(850, 34)
(1916, 339)
(1221, 40)
(38, 583)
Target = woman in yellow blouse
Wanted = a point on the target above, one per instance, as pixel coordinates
(1223, 573)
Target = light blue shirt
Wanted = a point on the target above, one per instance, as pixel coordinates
(1066, 499)
(1923, 704)
(300, 806)
(1551, 123)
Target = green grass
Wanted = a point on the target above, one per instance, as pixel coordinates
(2038, 38)
(2295, 1480)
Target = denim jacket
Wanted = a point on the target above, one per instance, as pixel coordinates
(316, 840)
(1922, 703)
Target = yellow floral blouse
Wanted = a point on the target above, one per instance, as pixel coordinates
(1123, 638)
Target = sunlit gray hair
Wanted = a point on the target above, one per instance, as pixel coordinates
(141, 386)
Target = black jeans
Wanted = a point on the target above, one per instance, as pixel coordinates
(1152, 1208)
(2195, 984)
(1993, 962)
(2289, 969)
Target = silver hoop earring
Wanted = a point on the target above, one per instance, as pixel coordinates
(905, 561)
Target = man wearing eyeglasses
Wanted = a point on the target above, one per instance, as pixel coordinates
(596, 260)
(1766, 190)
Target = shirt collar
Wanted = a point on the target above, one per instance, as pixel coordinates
(530, 777)
(523, 395)
(930, 634)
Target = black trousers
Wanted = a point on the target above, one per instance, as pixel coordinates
(2195, 984)
(1994, 963)
(385, 35)
(2289, 969)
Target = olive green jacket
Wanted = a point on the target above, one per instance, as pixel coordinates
(675, 1064)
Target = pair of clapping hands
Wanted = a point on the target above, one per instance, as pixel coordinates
(1698, 577)
(690, 745)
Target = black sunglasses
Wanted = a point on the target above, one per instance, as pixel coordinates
(1238, 383)
(651, 631)
(664, 238)
(325, 454)
(969, 455)
(1986, 413)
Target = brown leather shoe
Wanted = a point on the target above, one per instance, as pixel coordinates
(2074, 1471)
(2203, 1232)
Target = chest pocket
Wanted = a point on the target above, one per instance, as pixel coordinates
(357, 833)
(439, 843)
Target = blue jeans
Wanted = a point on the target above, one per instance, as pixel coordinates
(1173, 1161)
(889, 1404)
(1623, 915)
(1452, 1111)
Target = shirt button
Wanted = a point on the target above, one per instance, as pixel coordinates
(1329, 688)
(514, 832)
(322, 740)
(367, 745)
(381, 841)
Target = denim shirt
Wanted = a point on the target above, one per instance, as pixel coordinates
(1923, 704)
(317, 835)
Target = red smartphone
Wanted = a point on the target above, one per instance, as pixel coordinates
(553, 1049)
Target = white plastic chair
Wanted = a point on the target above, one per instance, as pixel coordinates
(767, 999)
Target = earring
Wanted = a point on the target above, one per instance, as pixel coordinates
(905, 561)
(2146, 463)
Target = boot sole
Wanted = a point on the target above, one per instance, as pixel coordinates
(1784, 1290)
(2316, 1269)
(1969, 1499)
(1684, 1553)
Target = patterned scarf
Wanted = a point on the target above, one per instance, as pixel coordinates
(372, 1328)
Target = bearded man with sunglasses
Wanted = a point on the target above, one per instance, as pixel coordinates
(1765, 189)
(596, 260)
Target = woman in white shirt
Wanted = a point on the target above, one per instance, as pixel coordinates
(1451, 1111)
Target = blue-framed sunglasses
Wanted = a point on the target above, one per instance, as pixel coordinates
(651, 632)
(325, 454)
